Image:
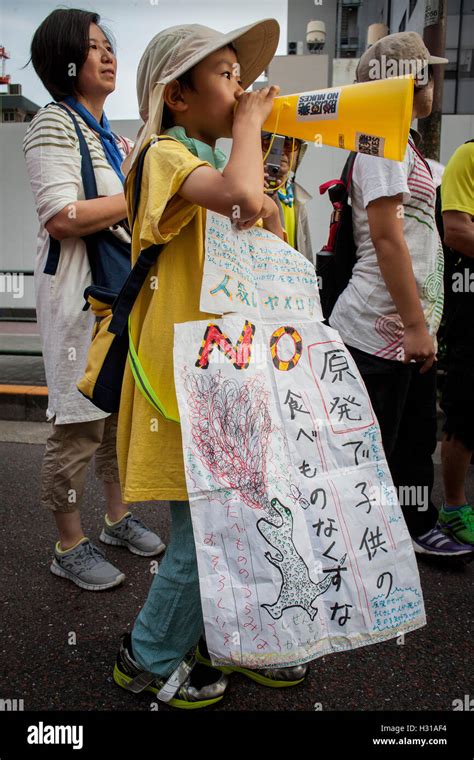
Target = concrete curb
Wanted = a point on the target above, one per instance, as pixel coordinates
(23, 402)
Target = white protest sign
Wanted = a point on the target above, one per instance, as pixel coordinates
(301, 544)
(255, 273)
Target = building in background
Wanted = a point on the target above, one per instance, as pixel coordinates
(459, 73)
(13, 105)
(352, 25)
(348, 40)
(350, 28)
(412, 15)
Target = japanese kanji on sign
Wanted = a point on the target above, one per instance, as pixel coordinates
(301, 544)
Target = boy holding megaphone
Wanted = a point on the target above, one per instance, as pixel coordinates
(189, 80)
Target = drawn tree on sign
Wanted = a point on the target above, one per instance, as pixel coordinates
(231, 428)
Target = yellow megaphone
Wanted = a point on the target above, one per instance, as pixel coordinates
(368, 117)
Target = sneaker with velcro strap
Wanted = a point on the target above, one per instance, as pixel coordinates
(191, 686)
(276, 678)
(437, 543)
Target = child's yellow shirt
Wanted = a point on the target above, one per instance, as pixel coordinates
(149, 447)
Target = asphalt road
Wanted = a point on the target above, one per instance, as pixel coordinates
(39, 612)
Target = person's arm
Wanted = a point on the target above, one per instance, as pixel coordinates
(270, 216)
(84, 217)
(53, 162)
(272, 223)
(393, 256)
(237, 191)
(459, 231)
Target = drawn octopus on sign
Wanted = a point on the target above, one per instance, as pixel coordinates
(231, 428)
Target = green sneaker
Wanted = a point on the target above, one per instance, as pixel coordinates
(191, 686)
(458, 522)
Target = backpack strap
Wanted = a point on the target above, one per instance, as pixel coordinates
(52, 260)
(87, 170)
(420, 154)
(90, 190)
(138, 180)
(348, 170)
(122, 307)
(125, 300)
(339, 189)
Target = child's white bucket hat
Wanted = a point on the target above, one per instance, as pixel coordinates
(177, 49)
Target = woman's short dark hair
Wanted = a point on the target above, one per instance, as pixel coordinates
(60, 47)
(186, 81)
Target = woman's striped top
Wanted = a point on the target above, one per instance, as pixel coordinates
(53, 128)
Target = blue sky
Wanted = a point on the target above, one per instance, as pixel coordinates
(133, 23)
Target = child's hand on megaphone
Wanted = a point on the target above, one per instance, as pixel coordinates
(256, 105)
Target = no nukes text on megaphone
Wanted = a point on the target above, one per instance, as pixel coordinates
(368, 117)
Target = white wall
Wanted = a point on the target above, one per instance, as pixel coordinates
(298, 73)
(18, 221)
(19, 224)
(344, 71)
(455, 129)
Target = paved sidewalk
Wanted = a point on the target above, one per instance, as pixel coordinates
(58, 643)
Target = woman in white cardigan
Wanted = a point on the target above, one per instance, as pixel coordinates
(80, 76)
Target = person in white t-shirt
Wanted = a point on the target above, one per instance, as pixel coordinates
(390, 311)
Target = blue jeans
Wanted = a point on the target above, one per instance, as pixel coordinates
(170, 622)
